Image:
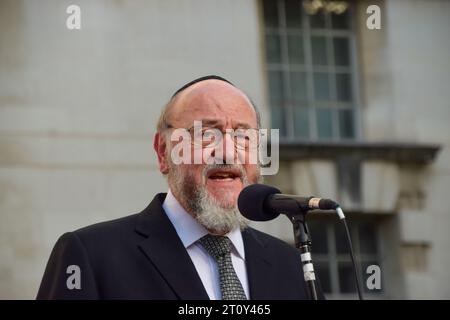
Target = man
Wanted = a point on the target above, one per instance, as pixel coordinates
(191, 243)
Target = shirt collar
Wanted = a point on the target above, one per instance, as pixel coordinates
(190, 230)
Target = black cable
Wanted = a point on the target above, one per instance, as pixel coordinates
(349, 240)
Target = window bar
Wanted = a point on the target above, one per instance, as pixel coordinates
(307, 47)
(287, 103)
(332, 79)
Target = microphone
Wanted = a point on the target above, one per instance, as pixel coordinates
(259, 202)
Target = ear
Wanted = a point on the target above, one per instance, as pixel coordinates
(160, 146)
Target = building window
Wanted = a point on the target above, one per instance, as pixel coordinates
(310, 72)
(332, 259)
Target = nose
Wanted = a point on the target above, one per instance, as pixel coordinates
(228, 149)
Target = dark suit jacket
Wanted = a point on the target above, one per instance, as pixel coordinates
(142, 257)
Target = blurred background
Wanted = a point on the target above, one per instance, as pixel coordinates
(363, 116)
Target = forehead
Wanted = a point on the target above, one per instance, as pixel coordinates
(212, 99)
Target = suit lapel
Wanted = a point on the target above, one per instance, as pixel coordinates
(165, 250)
(259, 267)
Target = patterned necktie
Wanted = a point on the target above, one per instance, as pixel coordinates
(219, 248)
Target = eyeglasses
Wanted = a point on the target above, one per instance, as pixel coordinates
(210, 137)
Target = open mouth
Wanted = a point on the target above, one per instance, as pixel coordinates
(223, 175)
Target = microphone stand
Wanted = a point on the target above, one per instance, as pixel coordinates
(303, 243)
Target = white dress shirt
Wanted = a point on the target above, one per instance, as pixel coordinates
(189, 231)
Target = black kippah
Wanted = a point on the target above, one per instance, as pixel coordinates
(201, 79)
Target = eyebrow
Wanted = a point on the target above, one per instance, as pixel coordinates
(243, 125)
(212, 122)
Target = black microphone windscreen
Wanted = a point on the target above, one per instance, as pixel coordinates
(251, 202)
(327, 204)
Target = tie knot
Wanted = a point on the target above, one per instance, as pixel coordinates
(217, 246)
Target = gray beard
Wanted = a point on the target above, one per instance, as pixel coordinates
(206, 210)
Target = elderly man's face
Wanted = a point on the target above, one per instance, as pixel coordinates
(222, 106)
